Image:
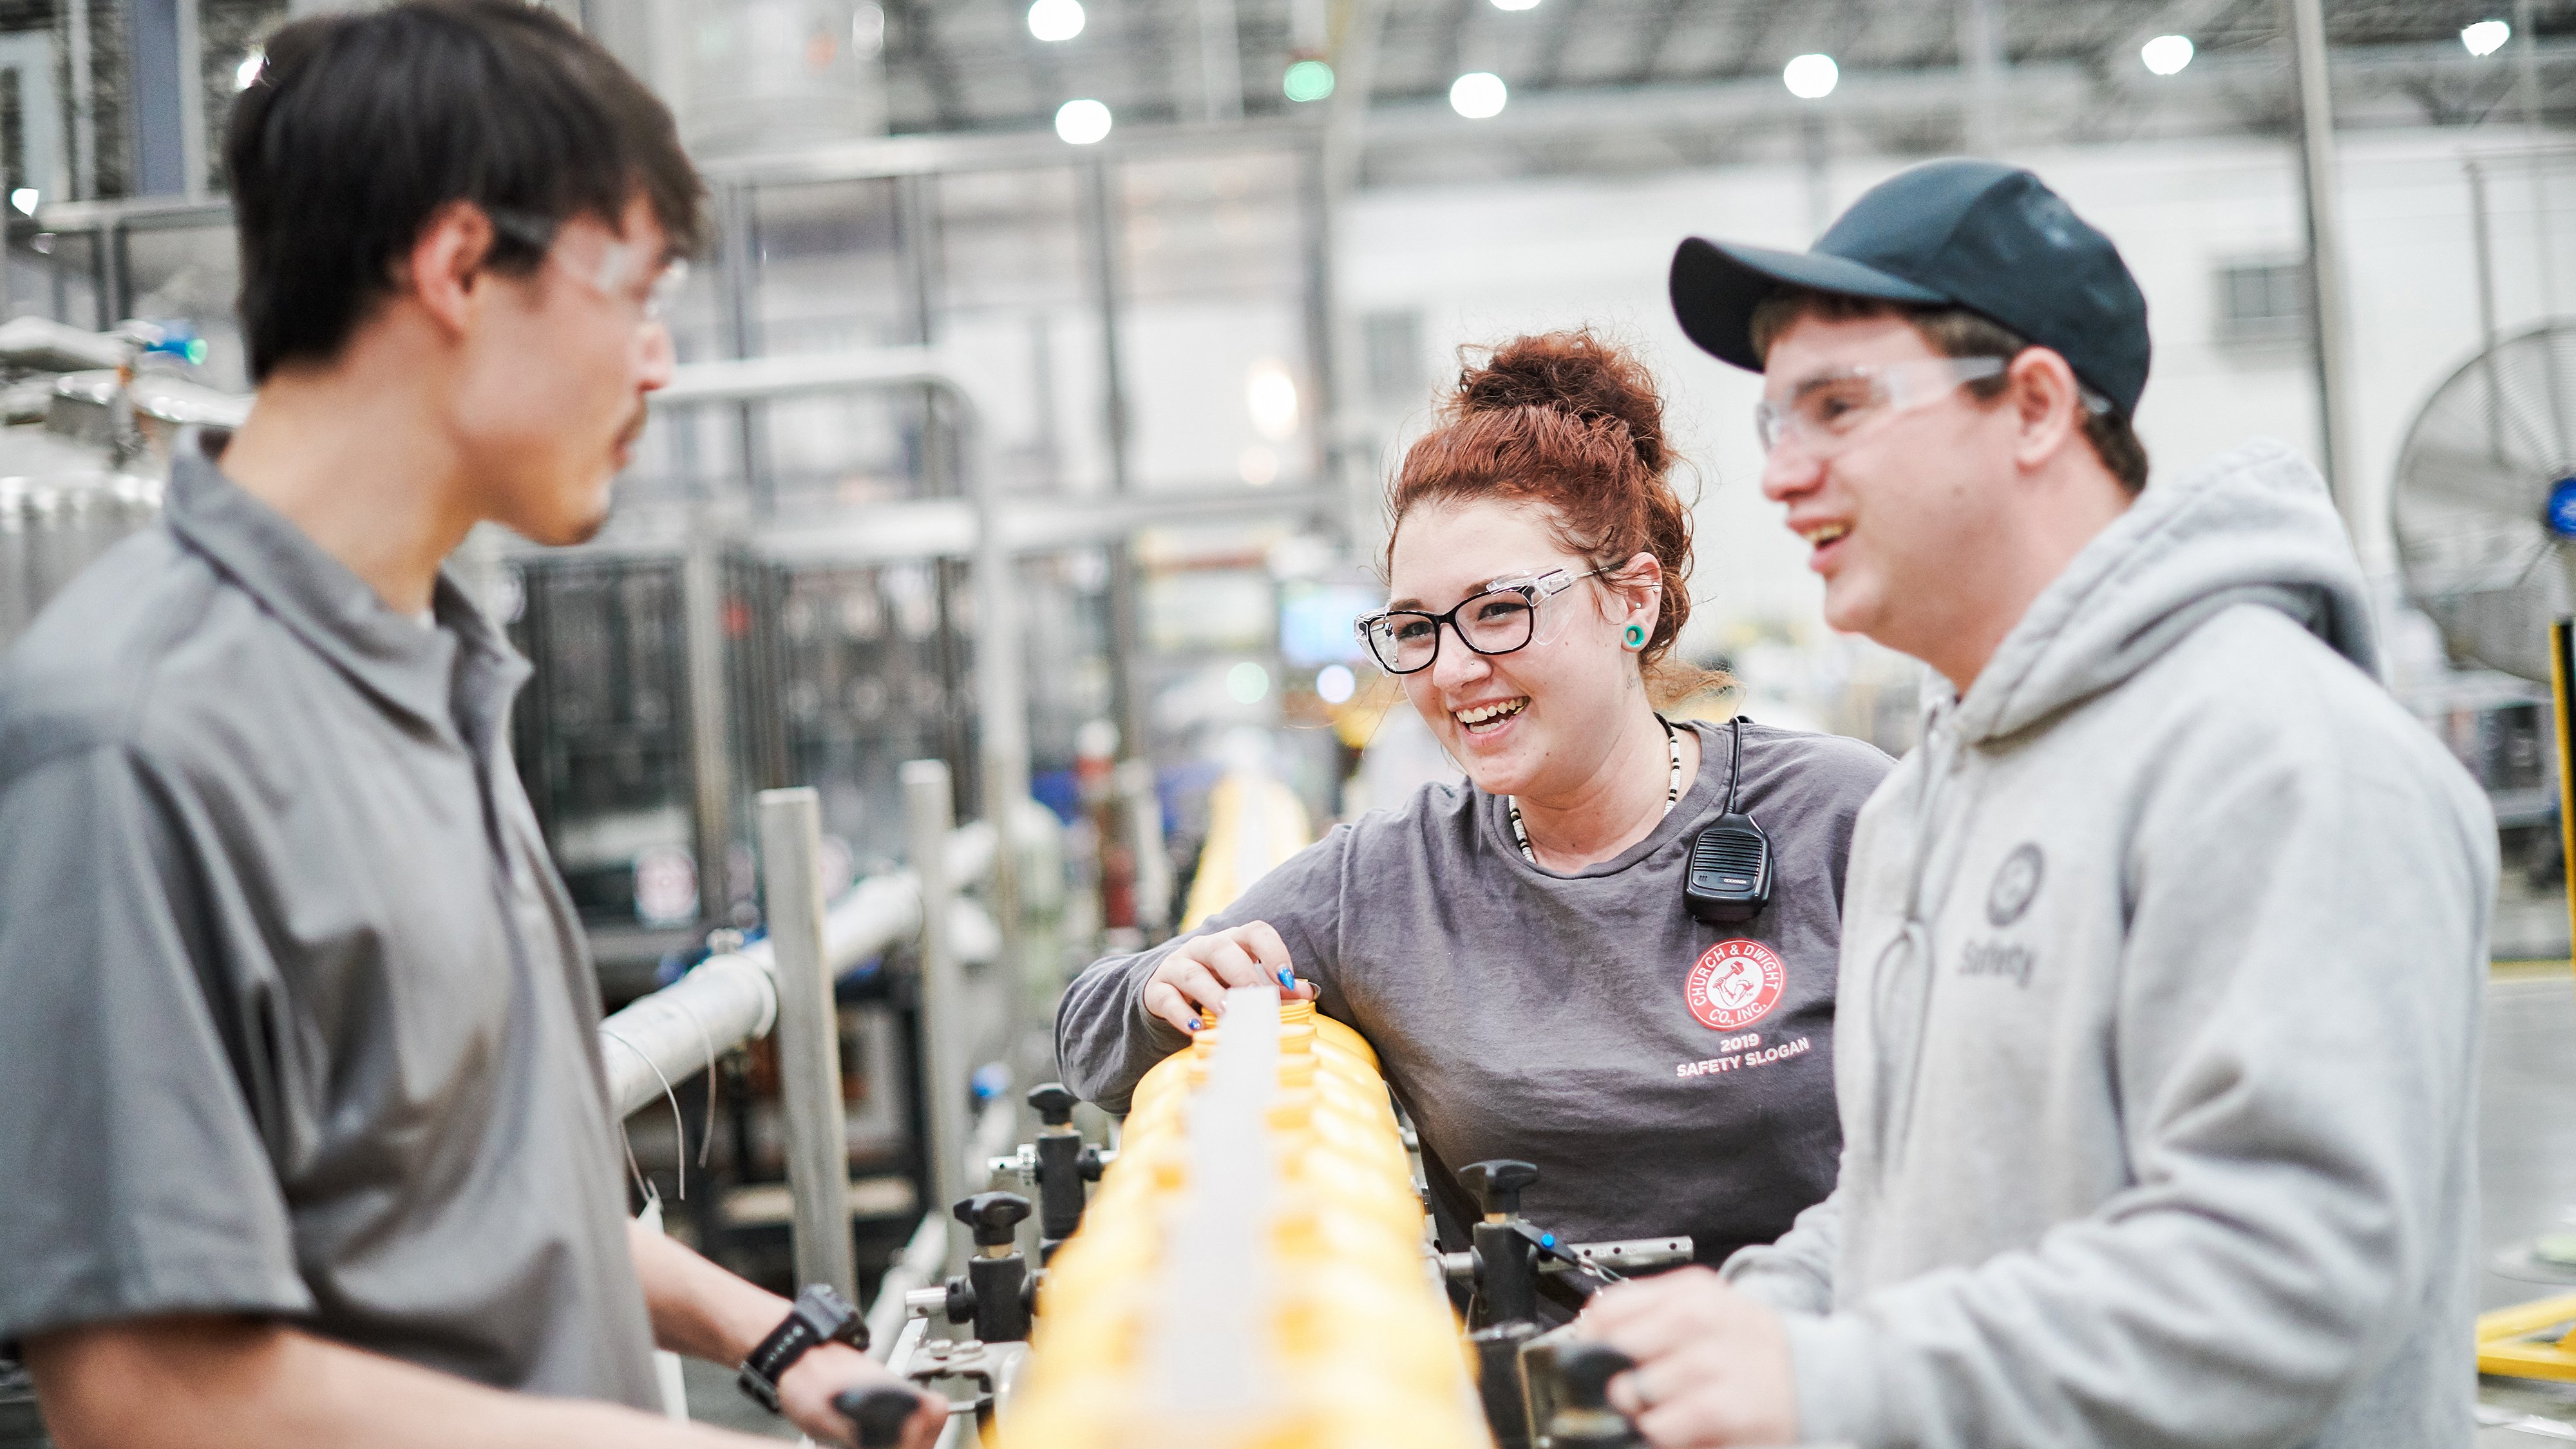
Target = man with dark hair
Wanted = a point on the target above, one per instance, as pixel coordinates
(2162, 954)
(307, 1141)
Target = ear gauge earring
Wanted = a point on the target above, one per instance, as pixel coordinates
(1634, 636)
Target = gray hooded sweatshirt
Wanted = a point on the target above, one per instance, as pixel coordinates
(2161, 974)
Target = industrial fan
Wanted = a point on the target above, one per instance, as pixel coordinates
(2484, 507)
(2484, 511)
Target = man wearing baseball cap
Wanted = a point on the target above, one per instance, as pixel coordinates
(2162, 954)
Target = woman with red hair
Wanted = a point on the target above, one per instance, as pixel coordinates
(1520, 949)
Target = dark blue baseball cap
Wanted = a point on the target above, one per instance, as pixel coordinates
(1990, 238)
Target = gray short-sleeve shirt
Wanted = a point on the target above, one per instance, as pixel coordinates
(295, 1017)
(1666, 1075)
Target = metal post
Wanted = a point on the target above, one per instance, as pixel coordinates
(809, 1038)
(2486, 308)
(1220, 61)
(2527, 80)
(156, 96)
(2328, 325)
(1981, 55)
(1819, 169)
(1002, 714)
(737, 292)
(76, 55)
(192, 100)
(927, 819)
(710, 744)
(1126, 645)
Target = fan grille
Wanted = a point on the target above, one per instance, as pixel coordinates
(2471, 495)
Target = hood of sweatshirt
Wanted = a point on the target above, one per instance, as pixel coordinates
(2252, 525)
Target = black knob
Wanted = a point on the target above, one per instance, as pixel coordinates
(1053, 1102)
(1587, 1369)
(1497, 1184)
(880, 1413)
(994, 1216)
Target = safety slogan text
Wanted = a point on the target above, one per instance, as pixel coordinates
(1754, 1055)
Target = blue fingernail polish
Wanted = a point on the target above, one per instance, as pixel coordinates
(1287, 980)
(1194, 1023)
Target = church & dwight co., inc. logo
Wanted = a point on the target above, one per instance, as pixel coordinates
(1735, 984)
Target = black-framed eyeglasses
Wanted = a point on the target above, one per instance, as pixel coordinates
(1501, 618)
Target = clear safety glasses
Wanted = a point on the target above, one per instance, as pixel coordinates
(625, 271)
(1834, 410)
(1499, 619)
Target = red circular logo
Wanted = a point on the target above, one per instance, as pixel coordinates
(1735, 984)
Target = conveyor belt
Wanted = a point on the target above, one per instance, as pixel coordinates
(1251, 1270)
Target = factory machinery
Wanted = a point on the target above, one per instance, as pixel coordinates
(1256, 1270)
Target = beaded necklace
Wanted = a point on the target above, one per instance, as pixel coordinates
(1672, 793)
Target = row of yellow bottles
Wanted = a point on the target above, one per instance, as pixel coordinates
(1360, 1349)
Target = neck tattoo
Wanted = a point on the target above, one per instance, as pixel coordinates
(1672, 793)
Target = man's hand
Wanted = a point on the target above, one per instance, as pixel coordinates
(1712, 1364)
(1190, 986)
(805, 1396)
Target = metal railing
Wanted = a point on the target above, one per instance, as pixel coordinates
(784, 984)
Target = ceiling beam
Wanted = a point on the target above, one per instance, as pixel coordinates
(1560, 38)
(1652, 37)
(2032, 87)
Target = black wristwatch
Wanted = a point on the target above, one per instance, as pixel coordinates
(820, 1316)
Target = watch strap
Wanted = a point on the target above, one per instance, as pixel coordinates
(819, 1316)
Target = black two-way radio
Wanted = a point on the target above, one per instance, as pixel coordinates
(1729, 877)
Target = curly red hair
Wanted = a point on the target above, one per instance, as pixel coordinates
(1573, 422)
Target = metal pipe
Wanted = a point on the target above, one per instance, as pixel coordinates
(927, 804)
(809, 1038)
(2328, 321)
(671, 1035)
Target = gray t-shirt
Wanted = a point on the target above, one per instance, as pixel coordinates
(1666, 1076)
(295, 1017)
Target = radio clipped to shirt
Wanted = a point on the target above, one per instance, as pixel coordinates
(1728, 879)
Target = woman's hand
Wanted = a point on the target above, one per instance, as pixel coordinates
(1188, 989)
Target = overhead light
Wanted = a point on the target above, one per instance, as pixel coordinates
(1810, 77)
(1082, 122)
(2486, 37)
(1516, 4)
(1248, 683)
(2166, 54)
(25, 199)
(1270, 395)
(1478, 95)
(1334, 683)
(1307, 80)
(246, 74)
(1055, 19)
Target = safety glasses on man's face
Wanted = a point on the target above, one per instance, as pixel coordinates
(1501, 618)
(625, 271)
(1833, 410)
